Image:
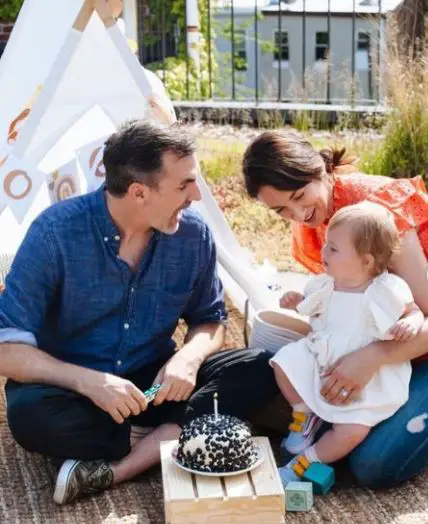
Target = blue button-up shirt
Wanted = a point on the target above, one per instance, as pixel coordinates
(70, 294)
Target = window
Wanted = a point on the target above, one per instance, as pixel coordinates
(363, 43)
(321, 46)
(240, 61)
(362, 54)
(282, 50)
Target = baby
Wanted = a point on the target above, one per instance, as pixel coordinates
(355, 302)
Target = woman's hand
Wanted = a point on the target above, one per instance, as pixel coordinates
(346, 378)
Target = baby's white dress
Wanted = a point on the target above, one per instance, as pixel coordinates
(343, 322)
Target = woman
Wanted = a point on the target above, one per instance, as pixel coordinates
(307, 187)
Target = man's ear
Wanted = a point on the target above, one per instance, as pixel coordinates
(138, 192)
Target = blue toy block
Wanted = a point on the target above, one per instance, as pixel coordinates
(298, 496)
(321, 476)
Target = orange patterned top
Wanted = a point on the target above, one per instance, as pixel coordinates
(407, 199)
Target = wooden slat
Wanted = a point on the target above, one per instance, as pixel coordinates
(84, 16)
(177, 484)
(104, 13)
(208, 487)
(238, 486)
(266, 477)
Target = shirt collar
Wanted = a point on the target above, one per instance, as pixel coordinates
(108, 228)
(102, 215)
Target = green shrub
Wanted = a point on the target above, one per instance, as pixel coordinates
(181, 79)
(404, 150)
(9, 9)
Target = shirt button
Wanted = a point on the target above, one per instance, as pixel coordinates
(119, 362)
(105, 239)
(117, 237)
(126, 326)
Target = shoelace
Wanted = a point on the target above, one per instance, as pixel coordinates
(298, 423)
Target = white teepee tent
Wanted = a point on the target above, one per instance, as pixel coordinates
(69, 79)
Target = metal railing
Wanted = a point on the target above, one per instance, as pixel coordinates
(268, 52)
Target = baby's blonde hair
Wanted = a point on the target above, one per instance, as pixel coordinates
(373, 231)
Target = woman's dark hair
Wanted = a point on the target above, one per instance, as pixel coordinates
(135, 153)
(286, 161)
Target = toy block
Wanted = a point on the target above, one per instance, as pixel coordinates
(298, 496)
(321, 476)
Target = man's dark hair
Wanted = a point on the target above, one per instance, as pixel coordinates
(135, 153)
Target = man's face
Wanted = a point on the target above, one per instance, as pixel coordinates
(176, 190)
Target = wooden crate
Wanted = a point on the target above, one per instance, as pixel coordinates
(256, 497)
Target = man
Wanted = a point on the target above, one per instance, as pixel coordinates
(91, 302)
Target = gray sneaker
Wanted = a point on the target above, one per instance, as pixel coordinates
(77, 478)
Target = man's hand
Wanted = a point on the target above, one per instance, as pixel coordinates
(178, 379)
(115, 395)
(291, 300)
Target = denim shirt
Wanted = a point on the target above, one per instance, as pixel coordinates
(70, 294)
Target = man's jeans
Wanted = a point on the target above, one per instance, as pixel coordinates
(62, 424)
(397, 449)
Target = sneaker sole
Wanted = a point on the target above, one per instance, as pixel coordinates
(300, 449)
(61, 482)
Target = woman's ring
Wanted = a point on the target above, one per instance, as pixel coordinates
(344, 393)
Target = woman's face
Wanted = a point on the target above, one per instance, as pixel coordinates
(311, 205)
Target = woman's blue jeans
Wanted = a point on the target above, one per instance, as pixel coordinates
(397, 449)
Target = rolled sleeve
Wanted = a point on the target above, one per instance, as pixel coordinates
(30, 287)
(17, 336)
(206, 305)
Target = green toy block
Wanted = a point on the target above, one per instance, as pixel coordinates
(321, 476)
(298, 496)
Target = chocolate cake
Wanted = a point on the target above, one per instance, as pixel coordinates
(221, 445)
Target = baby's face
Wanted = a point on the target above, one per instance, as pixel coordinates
(341, 260)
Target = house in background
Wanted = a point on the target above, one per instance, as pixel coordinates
(302, 50)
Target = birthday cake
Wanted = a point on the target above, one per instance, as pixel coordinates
(221, 444)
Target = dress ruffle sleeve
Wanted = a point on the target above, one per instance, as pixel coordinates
(387, 298)
(407, 200)
(317, 294)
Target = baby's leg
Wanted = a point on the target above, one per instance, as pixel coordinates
(333, 445)
(286, 387)
(305, 424)
(339, 441)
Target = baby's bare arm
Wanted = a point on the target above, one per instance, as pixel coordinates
(291, 300)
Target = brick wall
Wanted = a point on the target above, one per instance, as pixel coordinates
(5, 30)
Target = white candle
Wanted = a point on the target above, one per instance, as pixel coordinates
(216, 406)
